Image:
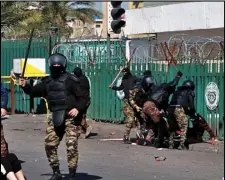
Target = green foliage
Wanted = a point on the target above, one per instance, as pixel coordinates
(44, 15)
(12, 13)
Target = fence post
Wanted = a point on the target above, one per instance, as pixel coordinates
(12, 92)
(31, 99)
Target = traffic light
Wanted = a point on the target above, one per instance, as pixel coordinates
(115, 23)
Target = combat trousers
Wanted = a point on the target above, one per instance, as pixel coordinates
(4, 149)
(130, 117)
(84, 124)
(55, 135)
(182, 121)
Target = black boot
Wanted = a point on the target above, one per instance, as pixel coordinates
(72, 173)
(56, 174)
(183, 146)
(126, 140)
(158, 143)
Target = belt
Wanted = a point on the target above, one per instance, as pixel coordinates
(176, 106)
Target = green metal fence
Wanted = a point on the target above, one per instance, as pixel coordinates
(17, 49)
(92, 57)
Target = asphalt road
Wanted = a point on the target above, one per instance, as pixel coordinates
(108, 160)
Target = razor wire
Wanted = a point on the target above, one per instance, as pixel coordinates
(82, 53)
(195, 49)
(184, 49)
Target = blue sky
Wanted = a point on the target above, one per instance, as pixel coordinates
(99, 5)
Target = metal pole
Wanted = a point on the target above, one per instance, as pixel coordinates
(31, 99)
(12, 94)
(27, 53)
(108, 48)
(50, 44)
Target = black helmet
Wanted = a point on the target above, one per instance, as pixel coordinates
(77, 72)
(189, 84)
(147, 82)
(147, 73)
(57, 59)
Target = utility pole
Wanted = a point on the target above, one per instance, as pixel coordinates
(105, 29)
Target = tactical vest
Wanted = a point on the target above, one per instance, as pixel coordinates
(57, 93)
(159, 96)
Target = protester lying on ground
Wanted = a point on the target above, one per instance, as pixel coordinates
(11, 168)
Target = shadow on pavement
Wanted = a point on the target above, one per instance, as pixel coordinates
(21, 161)
(82, 176)
(79, 176)
(92, 135)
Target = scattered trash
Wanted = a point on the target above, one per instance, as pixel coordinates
(158, 158)
(112, 133)
(223, 178)
(160, 149)
(133, 143)
(119, 139)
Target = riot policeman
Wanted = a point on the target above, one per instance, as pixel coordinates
(85, 86)
(158, 102)
(128, 82)
(181, 105)
(62, 91)
(137, 98)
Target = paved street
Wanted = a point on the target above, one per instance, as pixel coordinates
(111, 160)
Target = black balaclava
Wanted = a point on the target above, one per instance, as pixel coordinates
(57, 64)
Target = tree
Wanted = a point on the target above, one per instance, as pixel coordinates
(12, 13)
(44, 15)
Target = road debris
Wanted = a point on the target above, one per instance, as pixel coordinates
(160, 158)
(116, 139)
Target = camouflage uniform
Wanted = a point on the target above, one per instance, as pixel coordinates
(146, 125)
(200, 125)
(134, 104)
(4, 149)
(129, 114)
(182, 121)
(55, 135)
(84, 123)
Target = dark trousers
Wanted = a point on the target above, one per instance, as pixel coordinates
(10, 163)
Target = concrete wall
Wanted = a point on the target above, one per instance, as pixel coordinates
(146, 48)
(208, 33)
(175, 17)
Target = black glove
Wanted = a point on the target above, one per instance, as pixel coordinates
(179, 74)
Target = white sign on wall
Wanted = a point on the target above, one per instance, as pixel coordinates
(212, 95)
